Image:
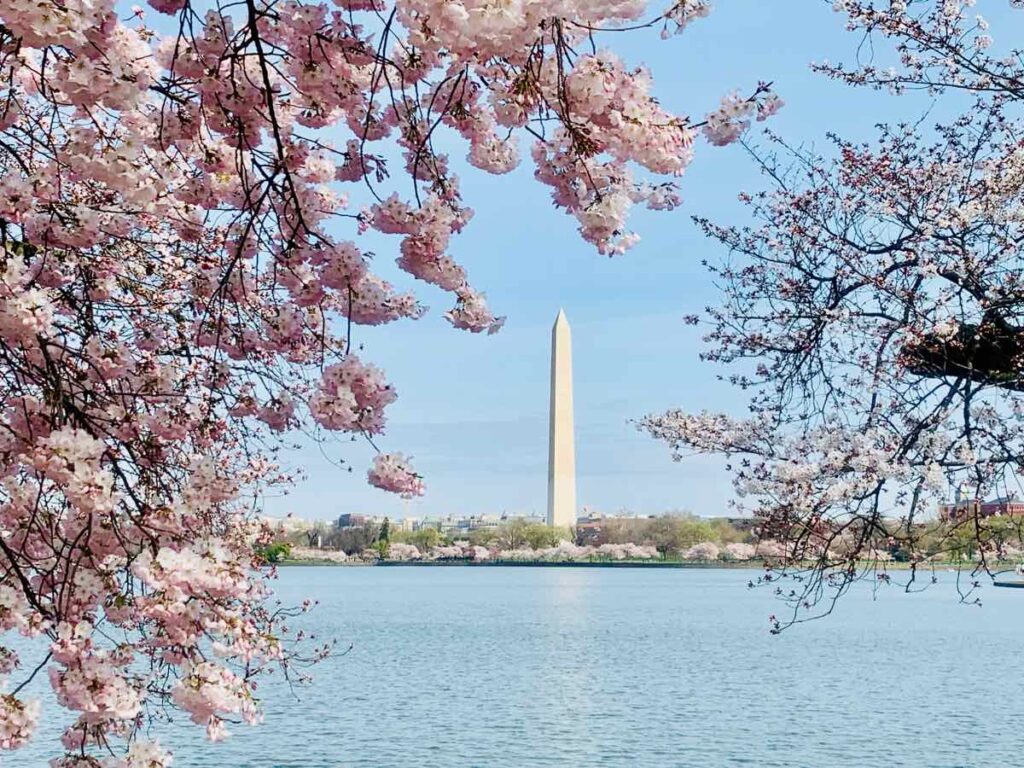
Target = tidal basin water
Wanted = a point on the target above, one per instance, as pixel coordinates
(512, 667)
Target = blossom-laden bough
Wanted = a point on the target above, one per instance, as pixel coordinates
(874, 311)
(176, 292)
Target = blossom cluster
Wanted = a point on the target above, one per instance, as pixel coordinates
(732, 118)
(352, 397)
(17, 720)
(392, 472)
(208, 691)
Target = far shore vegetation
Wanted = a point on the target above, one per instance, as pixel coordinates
(677, 539)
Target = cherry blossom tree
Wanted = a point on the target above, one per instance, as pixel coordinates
(739, 551)
(177, 292)
(874, 311)
(703, 550)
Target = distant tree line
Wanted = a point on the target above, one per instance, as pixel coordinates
(677, 536)
(670, 534)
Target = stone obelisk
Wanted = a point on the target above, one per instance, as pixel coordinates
(561, 440)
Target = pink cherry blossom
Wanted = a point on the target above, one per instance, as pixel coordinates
(392, 472)
(705, 550)
(739, 551)
(207, 691)
(17, 721)
(352, 397)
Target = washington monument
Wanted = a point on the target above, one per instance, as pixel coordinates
(561, 440)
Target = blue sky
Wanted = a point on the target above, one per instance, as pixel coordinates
(472, 410)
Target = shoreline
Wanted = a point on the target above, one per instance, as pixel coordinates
(518, 564)
(742, 565)
(559, 564)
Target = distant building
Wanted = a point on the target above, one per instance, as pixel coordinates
(349, 520)
(589, 528)
(745, 524)
(285, 525)
(530, 519)
(481, 522)
(452, 525)
(448, 525)
(461, 525)
(964, 509)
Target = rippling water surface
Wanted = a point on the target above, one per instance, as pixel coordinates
(512, 667)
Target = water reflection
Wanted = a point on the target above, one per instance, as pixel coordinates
(534, 667)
